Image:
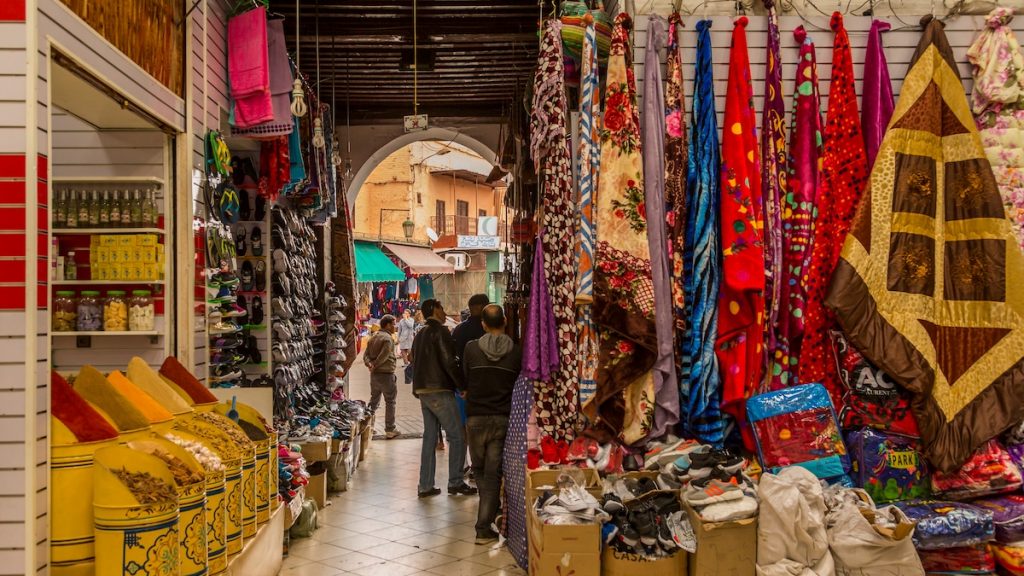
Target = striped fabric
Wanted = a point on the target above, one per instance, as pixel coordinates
(588, 164)
(704, 419)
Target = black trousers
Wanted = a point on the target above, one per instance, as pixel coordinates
(486, 439)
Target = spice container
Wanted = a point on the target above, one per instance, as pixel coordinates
(90, 315)
(141, 312)
(115, 312)
(65, 311)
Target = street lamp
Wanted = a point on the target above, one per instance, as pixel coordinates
(408, 227)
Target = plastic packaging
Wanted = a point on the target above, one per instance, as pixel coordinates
(797, 426)
(975, 559)
(65, 311)
(944, 524)
(90, 315)
(141, 312)
(887, 466)
(115, 312)
(989, 471)
(870, 397)
(1009, 558)
(1008, 516)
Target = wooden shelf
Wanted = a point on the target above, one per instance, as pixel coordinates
(102, 333)
(82, 231)
(106, 282)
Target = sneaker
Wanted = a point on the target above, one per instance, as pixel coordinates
(463, 490)
(628, 535)
(645, 526)
(711, 490)
(576, 499)
(664, 533)
(668, 482)
(428, 493)
(658, 455)
(233, 311)
(256, 313)
(392, 434)
(682, 532)
(609, 530)
(247, 276)
(225, 373)
(223, 327)
(260, 273)
(256, 242)
(612, 504)
(486, 537)
(240, 245)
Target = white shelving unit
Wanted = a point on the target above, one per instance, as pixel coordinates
(115, 333)
(107, 283)
(91, 231)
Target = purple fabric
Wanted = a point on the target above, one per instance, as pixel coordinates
(666, 390)
(540, 344)
(1008, 516)
(878, 98)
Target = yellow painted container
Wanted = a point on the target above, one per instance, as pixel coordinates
(192, 543)
(72, 540)
(249, 498)
(132, 538)
(262, 482)
(233, 503)
(274, 474)
(265, 488)
(216, 523)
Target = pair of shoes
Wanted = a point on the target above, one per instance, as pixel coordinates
(392, 434)
(703, 463)
(462, 489)
(428, 493)
(486, 537)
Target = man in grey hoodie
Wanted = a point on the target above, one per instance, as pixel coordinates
(491, 365)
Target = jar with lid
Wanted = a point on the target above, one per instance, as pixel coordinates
(65, 311)
(141, 311)
(90, 315)
(115, 312)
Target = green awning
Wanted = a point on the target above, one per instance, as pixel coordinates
(373, 266)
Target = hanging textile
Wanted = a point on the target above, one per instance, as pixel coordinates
(623, 291)
(666, 388)
(998, 102)
(740, 345)
(703, 416)
(675, 198)
(932, 296)
(557, 397)
(798, 212)
(878, 99)
(540, 343)
(514, 467)
(844, 175)
(774, 171)
(588, 165)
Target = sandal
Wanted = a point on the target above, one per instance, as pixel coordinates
(257, 241)
(240, 240)
(260, 276)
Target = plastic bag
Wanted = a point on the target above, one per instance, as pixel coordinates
(989, 471)
(791, 535)
(869, 542)
(1009, 558)
(870, 397)
(887, 466)
(1007, 515)
(943, 524)
(307, 522)
(959, 560)
(797, 426)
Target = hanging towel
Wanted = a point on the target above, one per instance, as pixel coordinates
(666, 388)
(623, 292)
(249, 67)
(676, 206)
(703, 416)
(844, 176)
(878, 99)
(998, 102)
(928, 284)
(558, 397)
(280, 88)
(798, 212)
(588, 166)
(774, 176)
(740, 345)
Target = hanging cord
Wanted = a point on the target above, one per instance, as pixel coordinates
(318, 123)
(415, 60)
(299, 108)
(335, 152)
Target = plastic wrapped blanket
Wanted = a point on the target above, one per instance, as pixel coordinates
(888, 467)
(1009, 559)
(1007, 515)
(942, 524)
(791, 536)
(975, 559)
(870, 397)
(989, 471)
(797, 426)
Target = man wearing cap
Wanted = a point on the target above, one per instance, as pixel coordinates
(380, 359)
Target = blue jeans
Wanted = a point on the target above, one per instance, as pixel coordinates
(440, 408)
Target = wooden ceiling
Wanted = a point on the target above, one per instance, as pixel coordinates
(480, 53)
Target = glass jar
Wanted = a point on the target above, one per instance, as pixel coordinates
(115, 312)
(65, 311)
(141, 312)
(90, 315)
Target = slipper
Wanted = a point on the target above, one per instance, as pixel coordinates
(243, 204)
(257, 241)
(260, 274)
(261, 208)
(237, 172)
(247, 276)
(256, 311)
(240, 240)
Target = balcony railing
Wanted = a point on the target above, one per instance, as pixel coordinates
(460, 226)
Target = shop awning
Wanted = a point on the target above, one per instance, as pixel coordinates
(421, 260)
(372, 265)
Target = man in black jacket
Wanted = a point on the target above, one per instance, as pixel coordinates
(435, 381)
(491, 365)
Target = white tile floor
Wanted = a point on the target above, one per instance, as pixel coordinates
(380, 527)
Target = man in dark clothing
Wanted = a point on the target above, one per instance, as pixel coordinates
(491, 365)
(472, 328)
(435, 381)
(380, 359)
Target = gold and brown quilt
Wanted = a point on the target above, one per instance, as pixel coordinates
(930, 286)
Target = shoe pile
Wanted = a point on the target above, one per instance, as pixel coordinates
(588, 453)
(718, 489)
(571, 504)
(646, 518)
(291, 471)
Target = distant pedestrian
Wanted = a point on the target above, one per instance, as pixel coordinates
(380, 359)
(491, 365)
(406, 333)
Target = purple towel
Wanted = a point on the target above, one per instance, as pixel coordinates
(248, 59)
(540, 345)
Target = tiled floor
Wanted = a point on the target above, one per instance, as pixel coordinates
(408, 415)
(380, 527)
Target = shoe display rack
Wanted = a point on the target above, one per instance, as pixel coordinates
(335, 304)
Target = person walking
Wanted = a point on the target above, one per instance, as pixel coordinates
(491, 365)
(406, 333)
(380, 359)
(436, 379)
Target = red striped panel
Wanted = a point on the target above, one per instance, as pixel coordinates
(43, 294)
(41, 168)
(43, 194)
(43, 219)
(12, 218)
(11, 165)
(14, 244)
(12, 11)
(12, 297)
(12, 192)
(12, 271)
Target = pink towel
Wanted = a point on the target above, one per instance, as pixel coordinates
(248, 60)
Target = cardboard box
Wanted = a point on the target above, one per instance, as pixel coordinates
(725, 548)
(108, 240)
(539, 481)
(615, 563)
(145, 240)
(102, 254)
(557, 550)
(125, 240)
(317, 489)
(316, 451)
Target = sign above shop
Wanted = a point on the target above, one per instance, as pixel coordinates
(415, 123)
(479, 242)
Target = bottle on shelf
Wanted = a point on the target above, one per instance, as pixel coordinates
(83, 208)
(72, 210)
(136, 208)
(105, 209)
(60, 217)
(149, 211)
(94, 209)
(126, 209)
(70, 267)
(115, 209)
